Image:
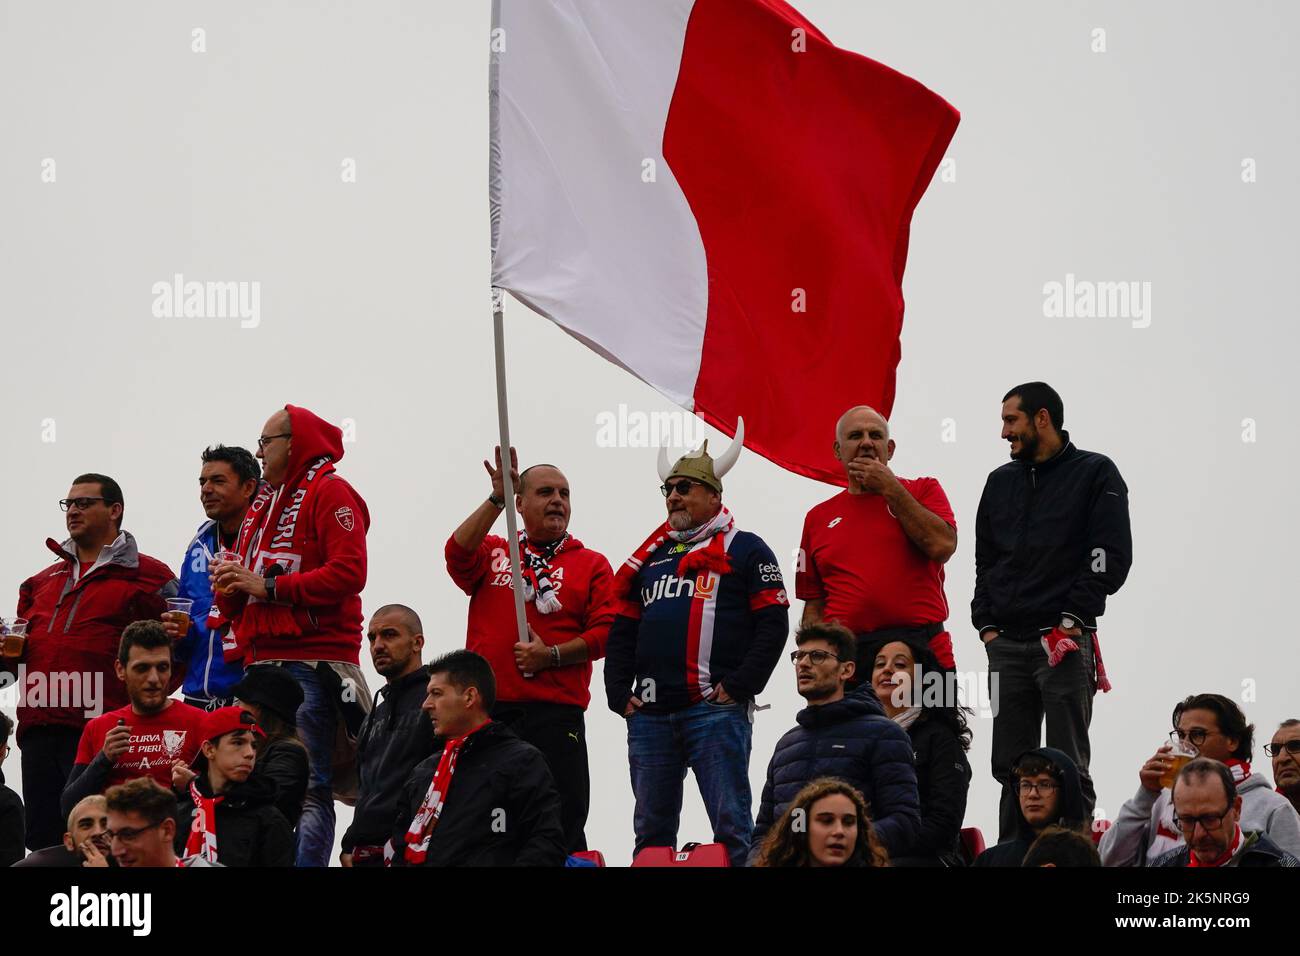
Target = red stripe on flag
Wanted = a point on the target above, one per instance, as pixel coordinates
(802, 170)
(693, 647)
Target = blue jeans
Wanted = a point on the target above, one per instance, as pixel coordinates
(714, 740)
(317, 726)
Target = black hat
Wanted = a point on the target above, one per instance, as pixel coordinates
(272, 687)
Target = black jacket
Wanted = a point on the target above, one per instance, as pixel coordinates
(943, 778)
(394, 737)
(250, 830)
(502, 808)
(853, 740)
(1051, 539)
(12, 827)
(1258, 850)
(283, 763)
(1012, 852)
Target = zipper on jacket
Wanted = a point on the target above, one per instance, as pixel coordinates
(207, 668)
(72, 611)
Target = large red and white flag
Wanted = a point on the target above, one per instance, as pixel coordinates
(713, 196)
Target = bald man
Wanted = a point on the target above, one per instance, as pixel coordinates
(872, 557)
(394, 737)
(544, 684)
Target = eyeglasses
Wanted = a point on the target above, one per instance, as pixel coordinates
(682, 487)
(1291, 746)
(1046, 788)
(129, 834)
(81, 504)
(817, 657)
(265, 440)
(1197, 736)
(1209, 823)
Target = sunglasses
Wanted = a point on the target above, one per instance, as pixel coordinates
(682, 487)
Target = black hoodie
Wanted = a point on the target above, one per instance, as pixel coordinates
(1071, 814)
(250, 830)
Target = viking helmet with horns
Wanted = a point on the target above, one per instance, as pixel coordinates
(699, 466)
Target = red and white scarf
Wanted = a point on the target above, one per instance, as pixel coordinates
(426, 818)
(1057, 644)
(202, 840)
(712, 556)
(535, 561)
(276, 510)
(1226, 858)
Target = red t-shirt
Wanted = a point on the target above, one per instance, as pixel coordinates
(584, 584)
(857, 558)
(156, 741)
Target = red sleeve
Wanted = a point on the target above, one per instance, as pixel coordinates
(26, 597)
(929, 495)
(807, 582)
(600, 608)
(468, 568)
(343, 573)
(91, 742)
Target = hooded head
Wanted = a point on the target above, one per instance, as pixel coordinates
(1038, 764)
(293, 440)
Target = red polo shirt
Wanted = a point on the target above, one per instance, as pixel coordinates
(583, 583)
(857, 558)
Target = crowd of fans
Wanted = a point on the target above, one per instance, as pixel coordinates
(236, 714)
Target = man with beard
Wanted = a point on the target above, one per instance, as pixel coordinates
(1052, 541)
(1284, 749)
(394, 737)
(76, 610)
(228, 481)
(86, 842)
(544, 684)
(872, 557)
(143, 738)
(700, 627)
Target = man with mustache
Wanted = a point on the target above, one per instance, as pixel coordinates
(1052, 542)
(143, 738)
(1284, 749)
(228, 481)
(85, 844)
(544, 684)
(872, 557)
(702, 619)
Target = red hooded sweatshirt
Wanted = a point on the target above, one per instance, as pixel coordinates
(326, 556)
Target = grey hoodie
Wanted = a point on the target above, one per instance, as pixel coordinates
(1131, 839)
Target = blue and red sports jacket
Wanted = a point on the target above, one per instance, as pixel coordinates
(678, 638)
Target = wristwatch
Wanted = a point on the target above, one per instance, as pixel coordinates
(270, 586)
(1068, 623)
(499, 502)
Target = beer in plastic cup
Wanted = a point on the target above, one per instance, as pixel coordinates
(1182, 754)
(178, 612)
(228, 557)
(13, 638)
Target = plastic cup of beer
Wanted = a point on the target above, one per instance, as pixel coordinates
(1181, 755)
(225, 556)
(178, 613)
(13, 637)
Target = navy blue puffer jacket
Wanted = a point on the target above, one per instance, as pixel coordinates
(851, 739)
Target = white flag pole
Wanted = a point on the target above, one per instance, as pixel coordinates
(498, 324)
(503, 422)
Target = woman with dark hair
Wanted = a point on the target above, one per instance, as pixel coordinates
(827, 824)
(921, 697)
(273, 698)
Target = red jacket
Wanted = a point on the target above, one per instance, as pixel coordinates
(584, 585)
(324, 589)
(75, 629)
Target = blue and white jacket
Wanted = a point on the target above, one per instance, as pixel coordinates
(207, 674)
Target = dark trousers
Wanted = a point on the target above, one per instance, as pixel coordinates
(1029, 689)
(560, 733)
(48, 754)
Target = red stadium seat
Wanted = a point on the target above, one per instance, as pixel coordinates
(972, 843)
